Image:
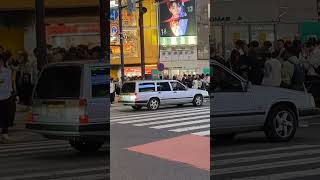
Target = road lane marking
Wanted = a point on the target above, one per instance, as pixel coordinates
(265, 150)
(180, 124)
(170, 121)
(144, 119)
(157, 113)
(191, 128)
(286, 175)
(264, 166)
(202, 133)
(302, 152)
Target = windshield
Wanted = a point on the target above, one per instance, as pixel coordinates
(59, 82)
(129, 88)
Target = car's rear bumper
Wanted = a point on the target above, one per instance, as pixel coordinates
(66, 132)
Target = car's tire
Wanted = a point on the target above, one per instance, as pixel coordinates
(224, 138)
(197, 100)
(86, 146)
(137, 107)
(281, 124)
(153, 104)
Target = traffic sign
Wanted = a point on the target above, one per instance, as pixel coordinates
(114, 30)
(114, 14)
(160, 67)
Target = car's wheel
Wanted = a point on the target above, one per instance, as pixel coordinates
(281, 124)
(197, 100)
(86, 146)
(137, 107)
(223, 137)
(153, 104)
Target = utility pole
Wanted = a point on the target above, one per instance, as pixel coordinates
(142, 10)
(41, 52)
(104, 8)
(121, 40)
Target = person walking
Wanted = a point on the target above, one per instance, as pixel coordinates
(287, 71)
(5, 100)
(112, 91)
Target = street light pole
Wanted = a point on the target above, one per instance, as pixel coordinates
(41, 52)
(141, 12)
(121, 40)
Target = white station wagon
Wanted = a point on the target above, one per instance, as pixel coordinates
(71, 102)
(152, 94)
(237, 107)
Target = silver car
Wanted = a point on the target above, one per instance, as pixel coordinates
(71, 102)
(152, 94)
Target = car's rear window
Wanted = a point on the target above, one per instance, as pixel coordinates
(59, 82)
(129, 88)
(100, 84)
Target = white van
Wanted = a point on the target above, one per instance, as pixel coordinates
(71, 102)
(152, 94)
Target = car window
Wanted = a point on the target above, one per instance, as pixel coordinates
(59, 82)
(147, 87)
(176, 86)
(223, 81)
(99, 82)
(129, 88)
(163, 86)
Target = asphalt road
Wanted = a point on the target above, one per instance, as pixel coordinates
(54, 160)
(154, 145)
(251, 156)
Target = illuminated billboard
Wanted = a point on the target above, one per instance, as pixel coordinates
(177, 18)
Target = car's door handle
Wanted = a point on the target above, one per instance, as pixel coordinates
(174, 92)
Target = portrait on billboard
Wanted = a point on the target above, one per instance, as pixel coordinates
(177, 18)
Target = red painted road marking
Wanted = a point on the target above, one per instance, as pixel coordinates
(189, 149)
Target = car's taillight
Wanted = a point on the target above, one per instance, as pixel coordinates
(83, 118)
(30, 118)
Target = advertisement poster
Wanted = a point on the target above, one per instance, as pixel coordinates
(177, 18)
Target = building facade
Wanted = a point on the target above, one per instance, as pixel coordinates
(258, 20)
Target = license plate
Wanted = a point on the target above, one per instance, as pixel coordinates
(55, 110)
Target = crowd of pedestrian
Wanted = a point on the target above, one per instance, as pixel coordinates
(286, 64)
(80, 52)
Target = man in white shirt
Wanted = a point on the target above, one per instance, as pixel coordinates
(272, 71)
(5, 94)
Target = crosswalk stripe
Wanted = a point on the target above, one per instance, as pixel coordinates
(129, 118)
(302, 152)
(202, 133)
(180, 124)
(191, 128)
(170, 121)
(286, 175)
(158, 113)
(56, 173)
(100, 176)
(21, 146)
(264, 166)
(33, 148)
(159, 118)
(265, 150)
